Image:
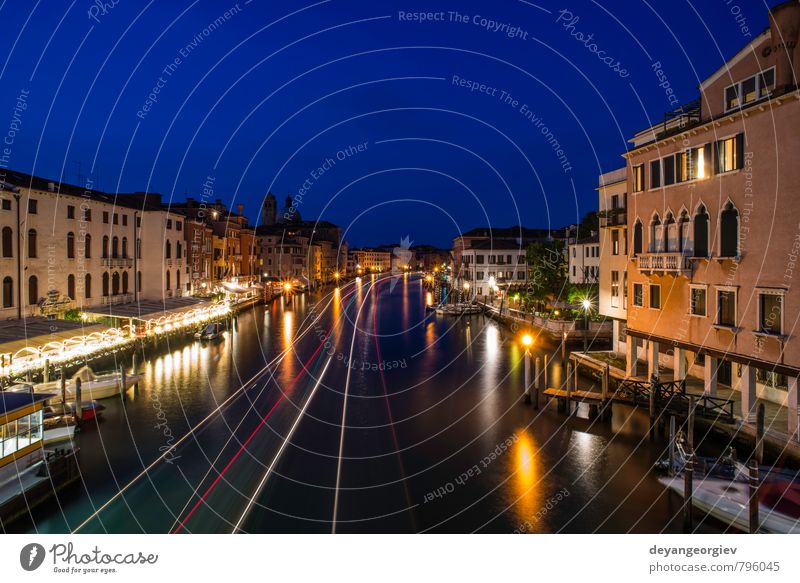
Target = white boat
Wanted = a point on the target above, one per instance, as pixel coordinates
(210, 332)
(58, 434)
(93, 386)
(728, 501)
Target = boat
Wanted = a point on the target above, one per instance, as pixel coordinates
(458, 309)
(210, 332)
(93, 385)
(728, 501)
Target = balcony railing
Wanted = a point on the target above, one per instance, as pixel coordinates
(117, 299)
(117, 262)
(676, 263)
(617, 217)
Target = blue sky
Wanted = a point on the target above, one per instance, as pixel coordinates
(264, 98)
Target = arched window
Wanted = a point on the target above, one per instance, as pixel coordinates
(656, 235)
(729, 231)
(115, 284)
(700, 238)
(139, 281)
(685, 244)
(115, 247)
(168, 251)
(637, 238)
(71, 286)
(87, 247)
(32, 243)
(33, 290)
(70, 245)
(8, 242)
(8, 292)
(87, 286)
(124, 282)
(670, 234)
(177, 279)
(125, 247)
(105, 284)
(178, 250)
(167, 280)
(105, 246)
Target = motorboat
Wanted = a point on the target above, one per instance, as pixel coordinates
(93, 385)
(728, 501)
(210, 332)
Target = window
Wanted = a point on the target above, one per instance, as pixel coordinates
(8, 292)
(8, 242)
(105, 217)
(138, 281)
(115, 219)
(71, 286)
(697, 301)
(625, 290)
(115, 284)
(669, 170)
(615, 242)
(168, 250)
(729, 232)
(479, 275)
(167, 280)
(124, 220)
(87, 247)
(638, 235)
(701, 232)
(125, 247)
(177, 279)
(179, 225)
(480, 259)
(70, 212)
(105, 246)
(726, 308)
(87, 215)
(115, 247)
(33, 290)
(615, 289)
(178, 250)
(32, 243)
(87, 286)
(750, 90)
(656, 234)
(6, 204)
(70, 245)
(587, 251)
(670, 244)
(574, 251)
(655, 296)
(124, 282)
(638, 294)
(655, 173)
(770, 312)
(33, 206)
(105, 284)
(614, 201)
(729, 154)
(637, 182)
(169, 223)
(574, 271)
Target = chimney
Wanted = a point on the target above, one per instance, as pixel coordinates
(240, 209)
(51, 186)
(784, 23)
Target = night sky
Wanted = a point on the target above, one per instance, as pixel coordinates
(263, 98)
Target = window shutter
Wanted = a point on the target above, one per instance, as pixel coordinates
(716, 157)
(707, 153)
(740, 151)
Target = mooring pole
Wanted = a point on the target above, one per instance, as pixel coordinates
(64, 389)
(688, 470)
(755, 464)
(672, 445)
(527, 376)
(123, 382)
(78, 408)
(537, 384)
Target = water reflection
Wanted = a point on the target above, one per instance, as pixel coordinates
(527, 468)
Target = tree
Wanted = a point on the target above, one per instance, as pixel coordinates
(546, 271)
(590, 223)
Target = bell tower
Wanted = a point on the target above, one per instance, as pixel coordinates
(269, 210)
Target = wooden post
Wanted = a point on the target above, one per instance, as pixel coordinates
(134, 364)
(64, 389)
(545, 372)
(671, 445)
(78, 409)
(755, 462)
(563, 350)
(652, 408)
(537, 385)
(604, 389)
(527, 380)
(570, 372)
(688, 470)
(123, 381)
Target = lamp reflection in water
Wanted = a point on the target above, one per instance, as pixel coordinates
(428, 299)
(527, 478)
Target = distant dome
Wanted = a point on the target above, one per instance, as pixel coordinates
(290, 213)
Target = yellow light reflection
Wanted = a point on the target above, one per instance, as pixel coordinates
(492, 343)
(429, 299)
(527, 475)
(288, 329)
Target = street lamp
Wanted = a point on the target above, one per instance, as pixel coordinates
(527, 342)
(587, 305)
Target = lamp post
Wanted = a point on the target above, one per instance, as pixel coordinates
(527, 342)
(586, 307)
(466, 291)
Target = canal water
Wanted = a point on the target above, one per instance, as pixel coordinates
(437, 437)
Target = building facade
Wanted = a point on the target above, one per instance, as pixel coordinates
(714, 222)
(584, 260)
(613, 282)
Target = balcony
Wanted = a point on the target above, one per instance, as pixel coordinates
(117, 299)
(665, 263)
(117, 262)
(680, 119)
(617, 217)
